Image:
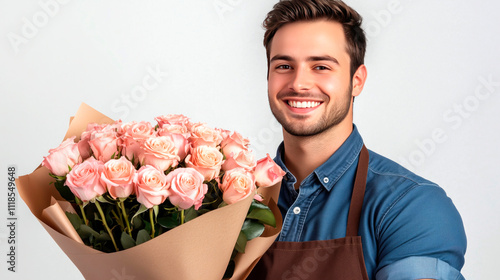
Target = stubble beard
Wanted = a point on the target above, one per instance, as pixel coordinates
(331, 119)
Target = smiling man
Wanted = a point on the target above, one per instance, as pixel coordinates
(348, 213)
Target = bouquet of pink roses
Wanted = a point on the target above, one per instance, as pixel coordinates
(133, 182)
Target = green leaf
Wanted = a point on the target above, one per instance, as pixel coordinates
(127, 241)
(64, 191)
(263, 215)
(156, 209)
(103, 236)
(258, 205)
(190, 214)
(142, 209)
(168, 222)
(88, 230)
(241, 243)
(75, 220)
(252, 229)
(142, 236)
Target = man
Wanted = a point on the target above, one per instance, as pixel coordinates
(347, 213)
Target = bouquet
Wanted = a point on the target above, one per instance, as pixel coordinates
(127, 185)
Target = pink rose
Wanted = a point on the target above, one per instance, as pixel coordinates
(105, 143)
(83, 144)
(151, 186)
(267, 172)
(186, 188)
(201, 134)
(236, 185)
(159, 152)
(133, 135)
(118, 176)
(244, 159)
(84, 180)
(234, 144)
(206, 160)
(176, 119)
(61, 158)
(179, 134)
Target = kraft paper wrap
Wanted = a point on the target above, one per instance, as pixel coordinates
(199, 249)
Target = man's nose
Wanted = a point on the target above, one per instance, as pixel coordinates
(302, 80)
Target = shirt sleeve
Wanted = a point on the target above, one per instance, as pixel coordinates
(421, 235)
(419, 267)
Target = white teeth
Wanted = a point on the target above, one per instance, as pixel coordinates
(304, 104)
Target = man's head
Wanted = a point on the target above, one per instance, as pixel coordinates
(315, 51)
(289, 11)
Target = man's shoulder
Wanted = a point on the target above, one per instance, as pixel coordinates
(382, 169)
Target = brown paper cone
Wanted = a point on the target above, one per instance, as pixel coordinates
(199, 249)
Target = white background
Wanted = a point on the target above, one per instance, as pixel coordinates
(427, 61)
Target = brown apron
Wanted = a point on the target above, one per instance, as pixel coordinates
(340, 259)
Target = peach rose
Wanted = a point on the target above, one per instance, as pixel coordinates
(159, 152)
(63, 157)
(202, 135)
(234, 144)
(186, 188)
(236, 185)
(151, 186)
(206, 160)
(105, 143)
(84, 180)
(244, 159)
(118, 176)
(267, 172)
(83, 144)
(176, 119)
(179, 134)
(133, 135)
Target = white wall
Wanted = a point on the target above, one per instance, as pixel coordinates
(426, 60)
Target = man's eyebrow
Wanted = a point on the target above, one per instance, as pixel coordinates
(323, 57)
(311, 58)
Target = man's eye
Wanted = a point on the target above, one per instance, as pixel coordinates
(283, 67)
(321, 68)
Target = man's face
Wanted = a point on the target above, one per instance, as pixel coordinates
(309, 86)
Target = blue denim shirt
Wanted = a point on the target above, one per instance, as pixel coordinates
(409, 228)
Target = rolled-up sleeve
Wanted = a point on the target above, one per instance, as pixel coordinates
(412, 268)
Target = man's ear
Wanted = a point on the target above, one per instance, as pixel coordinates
(358, 80)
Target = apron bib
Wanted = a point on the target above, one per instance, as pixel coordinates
(340, 259)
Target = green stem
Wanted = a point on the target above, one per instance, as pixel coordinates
(106, 224)
(182, 216)
(83, 214)
(122, 206)
(152, 223)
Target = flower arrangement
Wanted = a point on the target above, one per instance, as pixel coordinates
(132, 182)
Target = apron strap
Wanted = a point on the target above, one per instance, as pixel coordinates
(358, 194)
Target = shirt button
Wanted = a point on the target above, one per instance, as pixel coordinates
(296, 210)
(326, 180)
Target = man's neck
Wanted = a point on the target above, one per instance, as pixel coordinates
(304, 154)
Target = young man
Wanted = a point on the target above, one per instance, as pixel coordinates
(347, 213)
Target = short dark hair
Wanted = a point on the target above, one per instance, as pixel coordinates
(288, 11)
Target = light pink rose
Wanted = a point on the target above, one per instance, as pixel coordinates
(234, 144)
(202, 135)
(83, 144)
(244, 159)
(267, 172)
(236, 185)
(105, 143)
(186, 188)
(151, 186)
(179, 134)
(118, 176)
(133, 135)
(84, 180)
(61, 158)
(206, 160)
(175, 119)
(159, 152)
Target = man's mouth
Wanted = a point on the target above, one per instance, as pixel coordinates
(303, 104)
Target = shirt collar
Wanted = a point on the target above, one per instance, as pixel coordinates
(332, 170)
